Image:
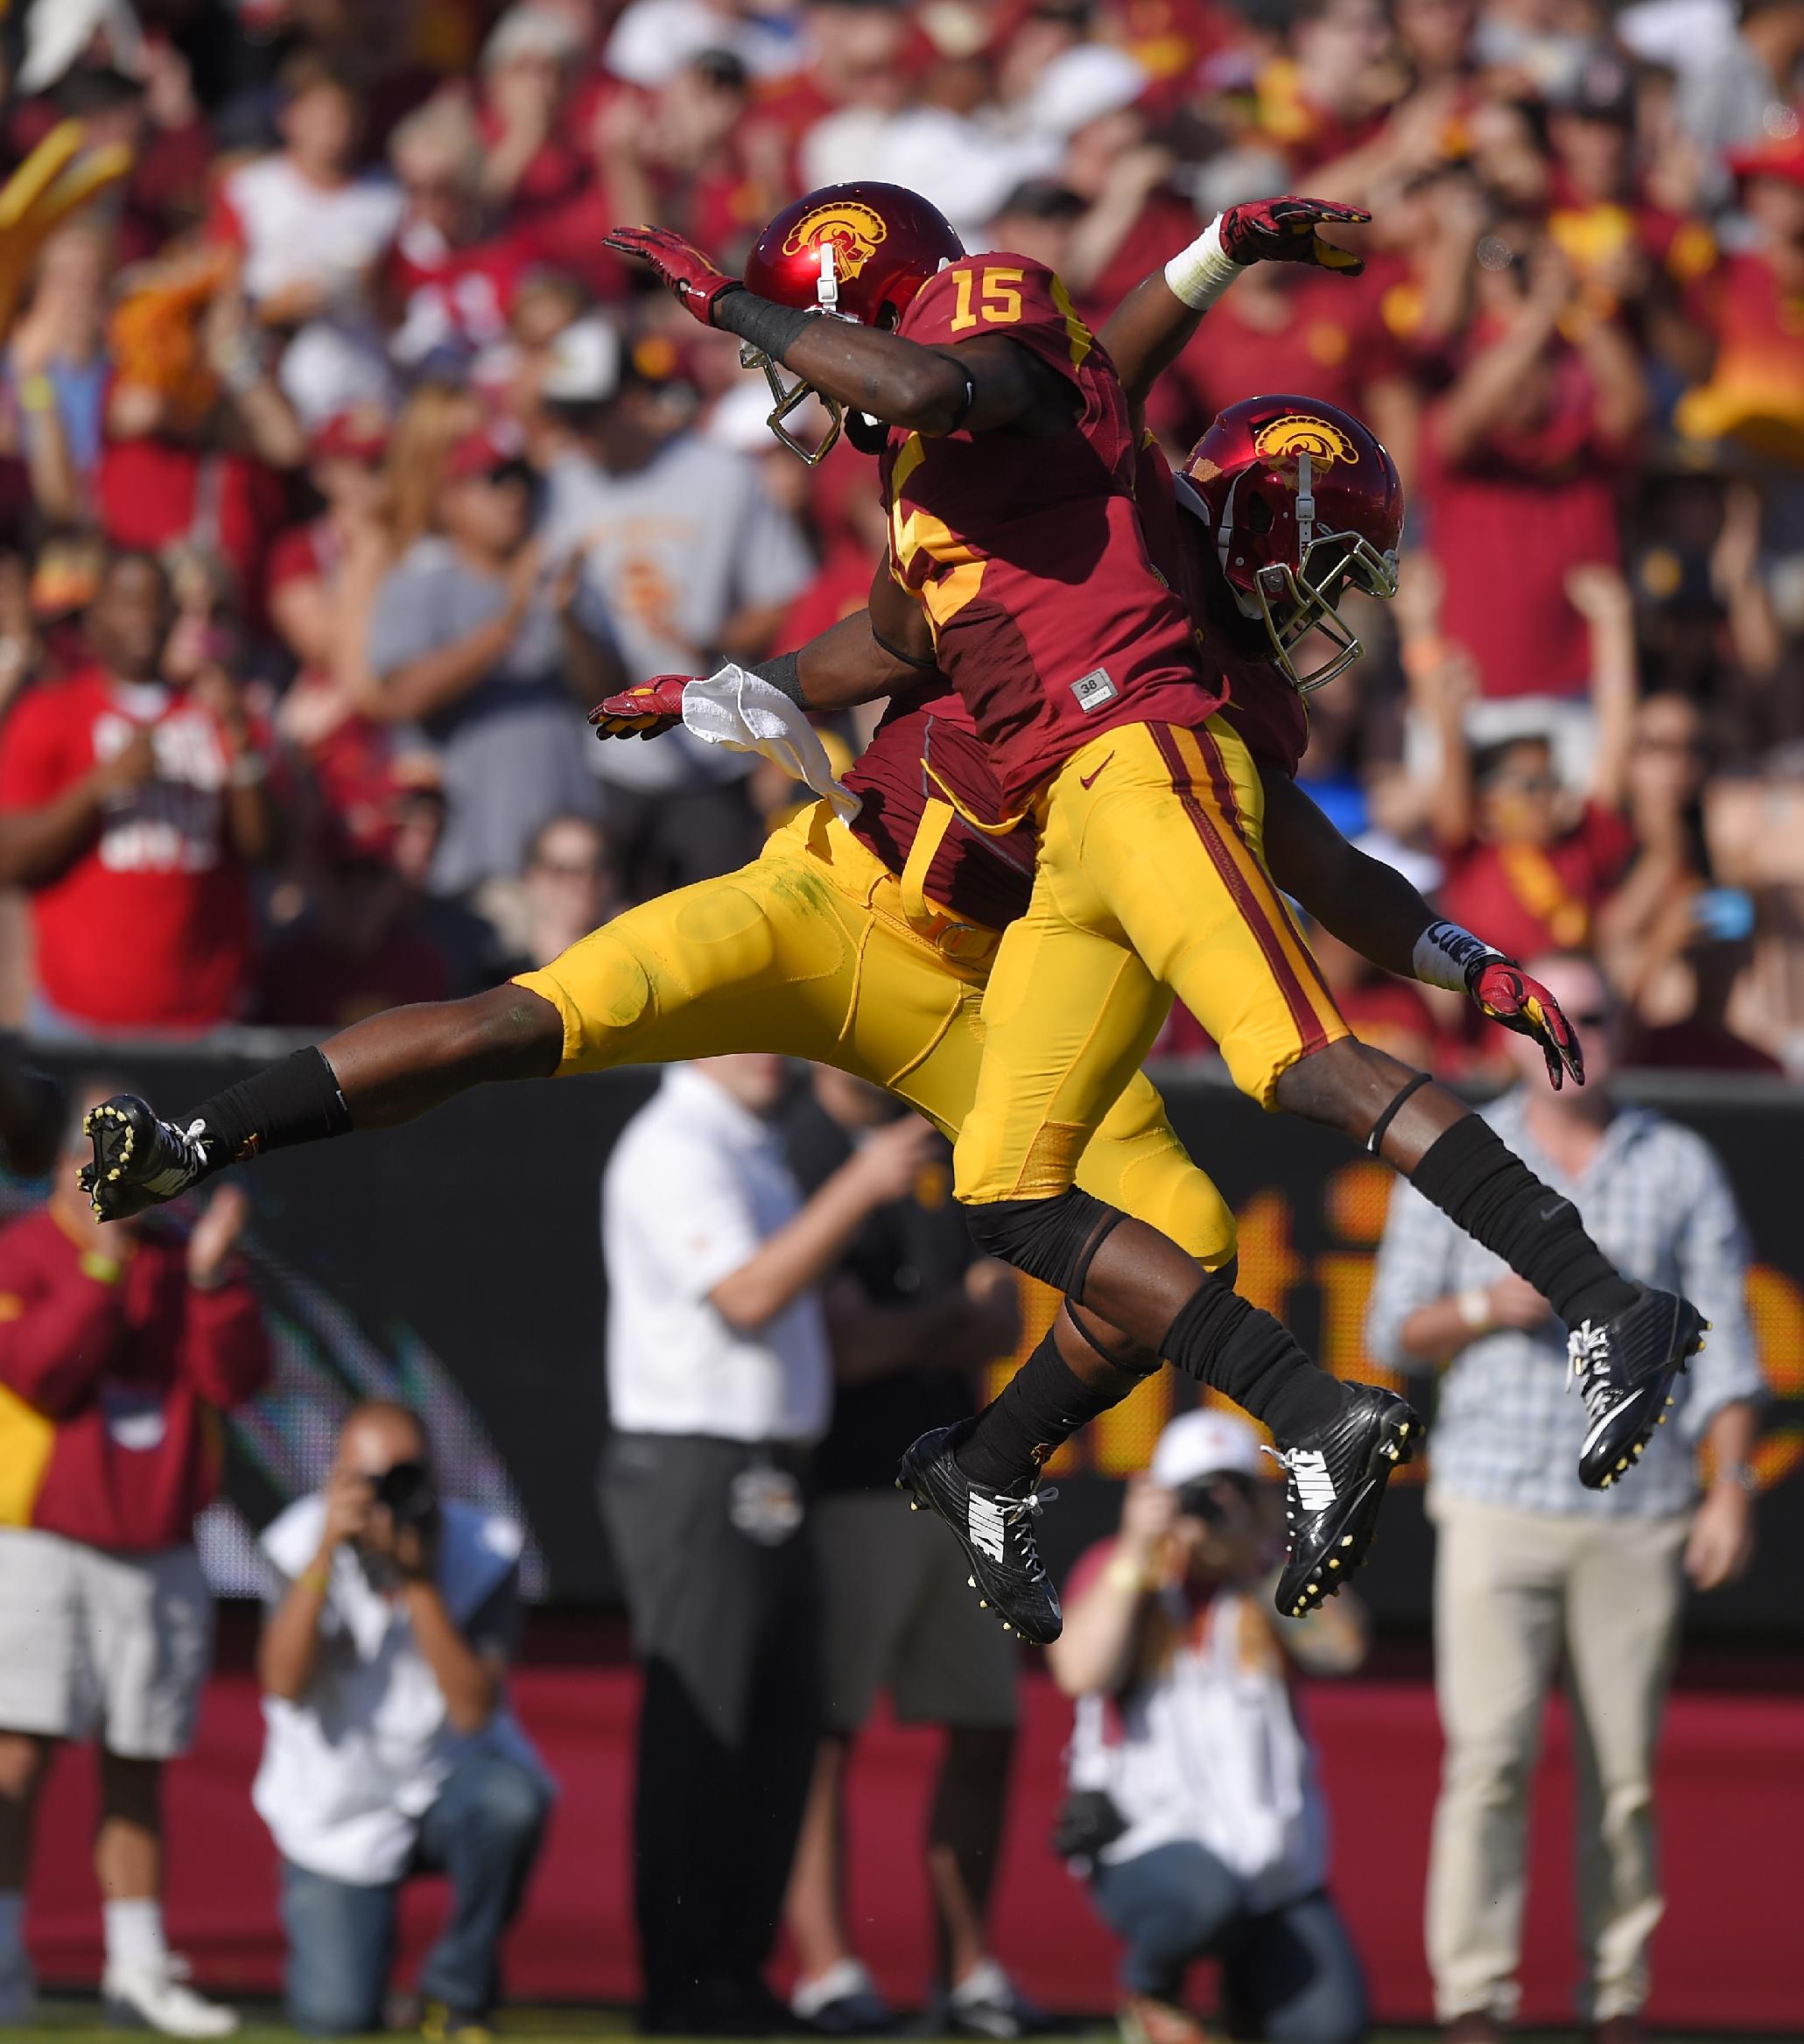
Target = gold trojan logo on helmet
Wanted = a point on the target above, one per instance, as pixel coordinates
(853, 231)
(1301, 432)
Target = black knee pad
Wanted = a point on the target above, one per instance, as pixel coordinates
(1052, 1240)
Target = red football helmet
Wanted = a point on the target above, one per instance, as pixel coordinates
(857, 252)
(1302, 501)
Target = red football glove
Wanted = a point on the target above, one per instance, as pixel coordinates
(643, 711)
(682, 270)
(1283, 230)
(1505, 992)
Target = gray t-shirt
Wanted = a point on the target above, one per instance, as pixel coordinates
(513, 750)
(672, 551)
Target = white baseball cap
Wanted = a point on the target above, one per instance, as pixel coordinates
(532, 32)
(1080, 86)
(584, 367)
(1205, 1442)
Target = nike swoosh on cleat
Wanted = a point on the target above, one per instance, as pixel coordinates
(1088, 781)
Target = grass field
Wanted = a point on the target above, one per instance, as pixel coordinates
(78, 2022)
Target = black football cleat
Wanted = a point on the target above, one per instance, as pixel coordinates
(138, 1161)
(994, 1527)
(1335, 1483)
(1625, 1369)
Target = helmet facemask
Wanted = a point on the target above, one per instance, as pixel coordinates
(1294, 601)
(791, 396)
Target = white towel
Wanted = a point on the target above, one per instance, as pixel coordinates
(747, 714)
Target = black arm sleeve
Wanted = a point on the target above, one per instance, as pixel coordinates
(785, 674)
(763, 321)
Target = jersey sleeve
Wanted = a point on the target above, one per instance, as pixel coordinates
(1001, 293)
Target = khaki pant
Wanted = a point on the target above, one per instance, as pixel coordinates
(1512, 1591)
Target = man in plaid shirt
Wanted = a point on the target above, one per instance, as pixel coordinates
(1528, 1561)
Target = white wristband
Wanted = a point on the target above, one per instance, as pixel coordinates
(1474, 1305)
(1445, 954)
(1201, 273)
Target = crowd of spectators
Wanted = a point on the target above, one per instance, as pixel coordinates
(341, 467)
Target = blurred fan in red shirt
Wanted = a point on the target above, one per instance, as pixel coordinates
(1527, 857)
(131, 804)
(534, 160)
(195, 430)
(1523, 460)
(1284, 326)
(361, 948)
(449, 285)
(1753, 306)
(322, 579)
(120, 1350)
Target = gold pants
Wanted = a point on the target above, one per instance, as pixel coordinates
(1151, 880)
(807, 951)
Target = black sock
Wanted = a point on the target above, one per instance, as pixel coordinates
(1476, 1180)
(295, 1101)
(1039, 1409)
(1238, 1348)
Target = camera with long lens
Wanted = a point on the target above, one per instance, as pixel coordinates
(406, 1489)
(1208, 1498)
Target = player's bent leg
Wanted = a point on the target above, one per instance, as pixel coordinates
(1252, 983)
(764, 958)
(1164, 827)
(712, 968)
(1136, 1162)
(1052, 1065)
(377, 1073)
(1629, 1342)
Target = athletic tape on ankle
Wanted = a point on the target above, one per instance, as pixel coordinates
(1199, 274)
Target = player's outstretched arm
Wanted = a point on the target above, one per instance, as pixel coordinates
(1151, 326)
(1371, 907)
(869, 655)
(855, 661)
(983, 383)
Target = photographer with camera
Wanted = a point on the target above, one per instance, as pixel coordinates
(1193, 1806)
(390, 1747)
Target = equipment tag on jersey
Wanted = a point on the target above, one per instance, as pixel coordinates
(1094, 690)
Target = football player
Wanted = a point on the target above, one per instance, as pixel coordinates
(1017, 563)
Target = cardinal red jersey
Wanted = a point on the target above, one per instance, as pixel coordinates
(1048, 615)
(1262, 704)
(149, 926)
(1330, 341)
(926, 749)
(111, 1392)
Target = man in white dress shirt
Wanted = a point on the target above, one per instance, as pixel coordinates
(390, 1748)
(719, 1382)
